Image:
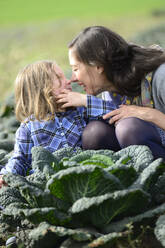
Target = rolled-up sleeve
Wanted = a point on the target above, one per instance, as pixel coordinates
(96, 107)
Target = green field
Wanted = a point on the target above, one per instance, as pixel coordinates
(18, 11)
(34, 30)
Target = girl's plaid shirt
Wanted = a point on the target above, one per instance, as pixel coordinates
(64, 131)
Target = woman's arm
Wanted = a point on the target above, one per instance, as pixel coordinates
(155, 115)
(144, 113)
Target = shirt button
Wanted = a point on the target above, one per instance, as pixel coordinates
(62, 134)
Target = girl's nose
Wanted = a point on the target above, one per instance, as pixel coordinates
(68, 85)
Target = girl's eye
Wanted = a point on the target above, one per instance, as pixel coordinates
(75, 69)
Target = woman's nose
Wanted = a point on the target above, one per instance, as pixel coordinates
(73, 78)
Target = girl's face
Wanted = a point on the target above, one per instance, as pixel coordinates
(92, 78)
(60, 82)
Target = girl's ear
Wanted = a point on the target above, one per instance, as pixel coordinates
(100, 69)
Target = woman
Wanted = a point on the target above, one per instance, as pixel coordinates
(132, 78)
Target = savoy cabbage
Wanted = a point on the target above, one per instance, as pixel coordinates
(82, 197)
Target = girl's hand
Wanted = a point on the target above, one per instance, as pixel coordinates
(71, 99)
(2, 182)
(125, 111)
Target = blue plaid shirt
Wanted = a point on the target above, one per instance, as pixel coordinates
(64, 131)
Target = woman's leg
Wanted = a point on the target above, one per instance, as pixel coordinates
(99, 135)
(134, 131)
(129, 131)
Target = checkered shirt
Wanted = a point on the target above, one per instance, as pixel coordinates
(64, 131)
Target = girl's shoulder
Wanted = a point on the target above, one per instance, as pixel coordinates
(31, 123)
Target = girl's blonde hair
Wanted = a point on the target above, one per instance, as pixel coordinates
(34, 92)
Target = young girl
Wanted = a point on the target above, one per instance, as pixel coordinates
(42, 94)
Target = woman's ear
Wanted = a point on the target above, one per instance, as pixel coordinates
(100, 69)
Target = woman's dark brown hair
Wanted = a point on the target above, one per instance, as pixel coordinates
(125, 64)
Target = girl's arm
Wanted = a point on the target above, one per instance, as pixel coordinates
(20, 162)
(95, 107)
(72, 99)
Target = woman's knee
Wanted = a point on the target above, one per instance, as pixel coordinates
(95, 132)
(134, 131)
(92, 128)
(127, 126)
(99, 135)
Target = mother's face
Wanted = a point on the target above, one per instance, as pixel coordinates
(92, 78)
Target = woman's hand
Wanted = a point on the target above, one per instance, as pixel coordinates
(2, 182)
(71, 99)
(125, 111)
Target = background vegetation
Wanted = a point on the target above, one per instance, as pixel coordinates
(34, 30)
